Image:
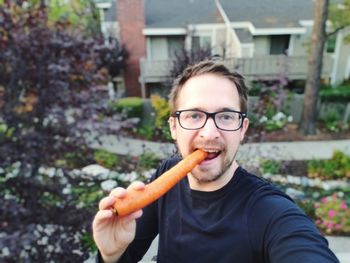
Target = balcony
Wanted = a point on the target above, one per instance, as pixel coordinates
(264, 67)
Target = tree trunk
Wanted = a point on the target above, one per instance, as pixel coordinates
(318, 38)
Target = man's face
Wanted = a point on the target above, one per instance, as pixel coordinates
(210, 93)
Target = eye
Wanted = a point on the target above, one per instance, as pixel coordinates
(227, 116)
(193, 115)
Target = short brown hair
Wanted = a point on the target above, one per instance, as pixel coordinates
(209, 66)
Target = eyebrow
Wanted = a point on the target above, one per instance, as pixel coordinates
(218, 110)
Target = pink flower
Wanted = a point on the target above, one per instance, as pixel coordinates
(330, 226)
(343, 205)
(331, 213)
(338, 226)
(324, 200)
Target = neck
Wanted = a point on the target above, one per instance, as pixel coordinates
(209, 186)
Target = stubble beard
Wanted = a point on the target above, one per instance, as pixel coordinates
(196, 173)
(212, 176)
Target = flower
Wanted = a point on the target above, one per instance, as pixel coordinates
(343, 205)
(263, 119)
(331, 213)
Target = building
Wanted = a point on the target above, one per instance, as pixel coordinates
(261, 39)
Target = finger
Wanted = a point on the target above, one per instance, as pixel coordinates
(137, 185)
(135, 215)
(106, 202)
(101, 216)
(118, 192)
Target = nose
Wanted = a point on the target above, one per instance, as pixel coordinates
(209, 131)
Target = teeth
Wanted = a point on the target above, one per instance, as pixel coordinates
(212, 151)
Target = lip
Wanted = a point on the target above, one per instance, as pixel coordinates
(211, 158)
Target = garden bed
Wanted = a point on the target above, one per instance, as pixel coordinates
(48, 216)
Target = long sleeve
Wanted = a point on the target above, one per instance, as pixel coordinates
(286, 234)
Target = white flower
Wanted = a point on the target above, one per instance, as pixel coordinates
(263, 119)
(279, 116)
(5, 251)
(290, 118)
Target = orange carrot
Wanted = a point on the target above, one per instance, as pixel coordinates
(138, 199)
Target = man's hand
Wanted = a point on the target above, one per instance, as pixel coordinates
(113, 234)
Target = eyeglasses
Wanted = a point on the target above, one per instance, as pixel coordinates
(227, 120)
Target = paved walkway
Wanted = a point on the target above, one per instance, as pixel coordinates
(300, 150)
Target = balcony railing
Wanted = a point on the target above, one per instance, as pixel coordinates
(264, 67)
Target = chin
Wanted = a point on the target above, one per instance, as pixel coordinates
(206, 176)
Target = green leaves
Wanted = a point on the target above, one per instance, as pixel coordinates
(335, 168)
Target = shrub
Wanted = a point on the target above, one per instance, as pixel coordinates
(335, 94)
(333, 215)
(106, 159)
(50, 73)
(148, 160)
(269, 111)
(270, 166)
(146, 131)
(162, 110)
(336, 167)
(162, 113)
(308, 206)
(131, 106)
(332, 119)
(275, 122)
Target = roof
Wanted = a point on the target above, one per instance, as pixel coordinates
(180, 13)
(244, 35)
(269, 13)
(261, 13)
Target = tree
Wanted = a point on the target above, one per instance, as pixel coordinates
(339, 16)
(49, 84)
(312, 87)
(51, 74)
(81, 13)
(183, 58)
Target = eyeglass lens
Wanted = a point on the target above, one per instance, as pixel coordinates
(225, 120)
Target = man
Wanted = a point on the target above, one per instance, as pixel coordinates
(219, 212)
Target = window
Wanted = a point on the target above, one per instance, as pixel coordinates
(175, 44)
(330, 44)
(201, 42)
(279, 44)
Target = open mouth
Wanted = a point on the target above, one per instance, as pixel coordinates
(212, 154)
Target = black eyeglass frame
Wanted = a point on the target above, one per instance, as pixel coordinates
(208, 115)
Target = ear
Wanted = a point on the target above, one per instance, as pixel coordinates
(244, 128)
(172, 126)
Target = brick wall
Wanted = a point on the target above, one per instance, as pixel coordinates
(131, 19)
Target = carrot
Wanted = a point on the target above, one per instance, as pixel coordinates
(138, 199)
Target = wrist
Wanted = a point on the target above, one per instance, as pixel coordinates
(112, 257)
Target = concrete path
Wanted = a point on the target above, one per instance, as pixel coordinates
(299, 150)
